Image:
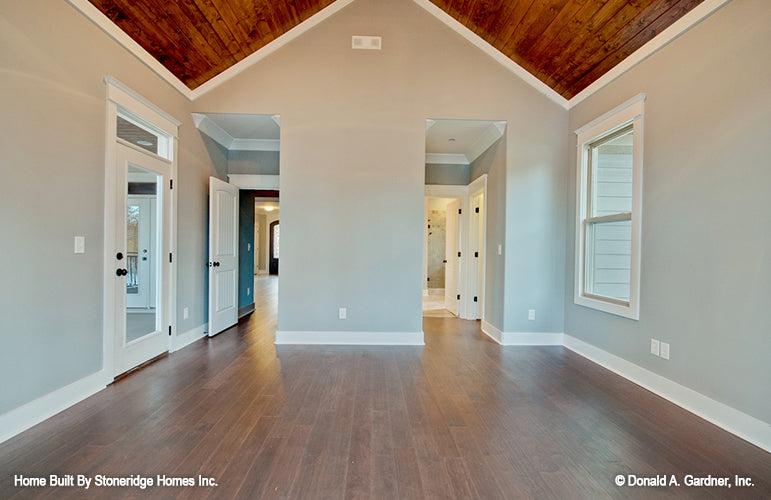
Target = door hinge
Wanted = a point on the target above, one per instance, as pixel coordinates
(475, 299)
(458, 296)
(171, 183)
(460, 211)
(169, 330)
(458, 254)
(170, 257)
(476, 254)
(476, 210)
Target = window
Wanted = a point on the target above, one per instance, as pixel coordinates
(609, 201)
(138, 133)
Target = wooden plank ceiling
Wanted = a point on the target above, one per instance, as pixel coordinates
(567, 44)
(198, 39)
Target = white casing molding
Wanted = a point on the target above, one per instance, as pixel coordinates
(185, 339)
(732, 420)
(24, 417)
(349, 338)
(254, 181)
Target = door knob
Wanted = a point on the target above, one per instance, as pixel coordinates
(121, 272)
(216, 264)
(119, 256)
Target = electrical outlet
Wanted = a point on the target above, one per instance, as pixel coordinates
(655, 347)
(342, 313)
(500, 249)
(248, 291)
(664, 350)
(249, 247)
(531, 314)
(185, 313)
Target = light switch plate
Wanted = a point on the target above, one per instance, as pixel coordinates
(531, 314)
(342, 313)
(655, 347)
(664, 350)
(80, 244)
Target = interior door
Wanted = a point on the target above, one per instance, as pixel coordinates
(451, 254)
(141, 333)
(223, 255)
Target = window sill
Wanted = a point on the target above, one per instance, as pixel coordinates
(630, 311)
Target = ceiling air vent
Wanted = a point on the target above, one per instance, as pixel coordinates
(366, 42)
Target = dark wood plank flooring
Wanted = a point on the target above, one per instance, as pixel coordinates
(459, 418)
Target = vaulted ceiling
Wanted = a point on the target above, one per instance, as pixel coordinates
(567, 44)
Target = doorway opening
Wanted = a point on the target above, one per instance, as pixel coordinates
(442, 241)
(459, 156)
(252, 142)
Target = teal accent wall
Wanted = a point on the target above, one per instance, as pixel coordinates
(245, 248)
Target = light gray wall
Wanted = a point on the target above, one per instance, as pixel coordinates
(253, 162)
(451, 175)
(493, 163)
(353, 124)
(53, 132)
(706, 222)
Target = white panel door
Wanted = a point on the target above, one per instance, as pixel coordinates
(223, 255)
(451, 254)
(141, 333)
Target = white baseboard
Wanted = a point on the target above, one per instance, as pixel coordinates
(734, 421)
(521, 338)
(29, 415)
(188, 337)
(349, 338)
(492, 332)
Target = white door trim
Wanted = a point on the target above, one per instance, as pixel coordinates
(120, 96)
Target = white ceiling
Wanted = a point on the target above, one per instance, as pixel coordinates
(241, 132)
(243, 126)
(472, 138)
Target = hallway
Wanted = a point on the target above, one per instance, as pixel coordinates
(461, 417)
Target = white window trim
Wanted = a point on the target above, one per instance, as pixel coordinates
(630, 112)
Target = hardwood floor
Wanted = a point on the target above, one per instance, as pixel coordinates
(459, 418)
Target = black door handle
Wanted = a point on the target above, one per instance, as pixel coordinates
(119, 256)
(121, 272)
(216, 264)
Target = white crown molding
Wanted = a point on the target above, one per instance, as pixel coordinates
(349, 338)
(732, 420)
(29, 415)
(447, 159)
(696, 15)
(113, 31)
(218, 134)
(685, 23)
(273, 46)
(485, 140)
(210, 128)
(491, 51)
(255, 145)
